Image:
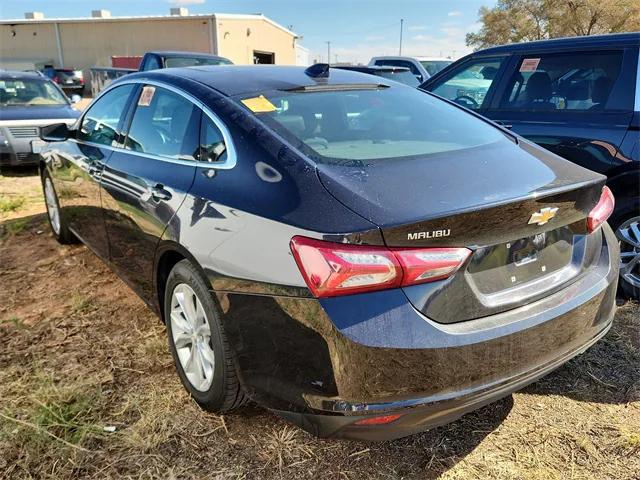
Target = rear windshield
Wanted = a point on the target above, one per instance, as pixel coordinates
(370, 124)
(65, 75)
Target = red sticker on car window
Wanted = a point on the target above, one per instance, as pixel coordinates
(529, 65)
(146, 96)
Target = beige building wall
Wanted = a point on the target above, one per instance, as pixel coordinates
(93, 43)
(87, 43)
(239, 38)
(35, 41)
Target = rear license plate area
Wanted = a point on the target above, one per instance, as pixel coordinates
(499, 267)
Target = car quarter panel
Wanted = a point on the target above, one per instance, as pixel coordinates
(374, 351)
(237, 223)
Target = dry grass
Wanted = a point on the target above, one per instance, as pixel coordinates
(87, 390)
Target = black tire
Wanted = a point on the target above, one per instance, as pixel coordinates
(225, 392)
(63, 235)
(629, 213)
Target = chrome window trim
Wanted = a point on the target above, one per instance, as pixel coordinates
(228, 164)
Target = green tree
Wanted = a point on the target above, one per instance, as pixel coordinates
(513, 21)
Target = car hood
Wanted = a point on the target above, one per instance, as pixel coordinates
(37, 112)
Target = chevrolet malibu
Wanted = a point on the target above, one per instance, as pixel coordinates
(362, 258)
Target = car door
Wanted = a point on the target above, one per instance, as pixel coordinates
(470, 83)
(578, 104)
(146, 180)
(78, 164)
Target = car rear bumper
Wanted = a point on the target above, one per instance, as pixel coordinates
(327, 364)
(428, 413)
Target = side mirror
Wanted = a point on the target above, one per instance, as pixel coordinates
(58, 132)
(75, 98)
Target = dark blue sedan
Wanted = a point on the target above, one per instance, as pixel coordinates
(27, 102)
(360, 257)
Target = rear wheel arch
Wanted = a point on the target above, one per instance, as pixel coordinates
(625, 184)
(168, 254)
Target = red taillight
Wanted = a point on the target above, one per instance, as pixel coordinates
(430, 264)
(601, 211)
(332, 269)
(382, 420)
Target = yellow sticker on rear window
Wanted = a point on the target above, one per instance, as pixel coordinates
(259, 104)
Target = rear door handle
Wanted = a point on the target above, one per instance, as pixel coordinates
(159, 193)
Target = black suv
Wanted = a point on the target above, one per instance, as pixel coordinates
(578, 97)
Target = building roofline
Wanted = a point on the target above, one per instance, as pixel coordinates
(216, 16)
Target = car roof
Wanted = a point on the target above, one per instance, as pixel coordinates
(608, 40)
(176, 53)
(19, 74)
(233, 80)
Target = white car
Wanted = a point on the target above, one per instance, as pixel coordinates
(421, 67)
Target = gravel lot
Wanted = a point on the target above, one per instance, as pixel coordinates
(88, 390)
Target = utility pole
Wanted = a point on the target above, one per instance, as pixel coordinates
(328, 52)
(401, 25)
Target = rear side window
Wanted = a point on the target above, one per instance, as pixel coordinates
(567, 81)
(212, 146)
(100, 123)
(164, 124)
(371, 124)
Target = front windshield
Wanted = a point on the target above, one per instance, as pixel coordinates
(434, 66)
(371, 123)
(194, 61)
(29, 91)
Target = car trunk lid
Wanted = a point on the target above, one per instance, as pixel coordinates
(520, 209)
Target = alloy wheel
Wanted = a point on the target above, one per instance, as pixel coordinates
(52, 205)
(629, 235)
(191, 336)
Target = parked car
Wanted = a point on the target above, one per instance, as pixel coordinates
(361, 258)
(28, 100)
(577, 97)
(156, 60)
(101, 76)
(421, 67)
(71, 81)
(399, 74)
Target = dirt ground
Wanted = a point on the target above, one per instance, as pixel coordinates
(88, 390)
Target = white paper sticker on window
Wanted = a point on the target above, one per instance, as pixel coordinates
(146, 96)
(529, 65)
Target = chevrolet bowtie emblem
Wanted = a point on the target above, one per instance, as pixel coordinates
(543, 216)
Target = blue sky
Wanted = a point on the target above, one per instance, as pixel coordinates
(357, 29)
